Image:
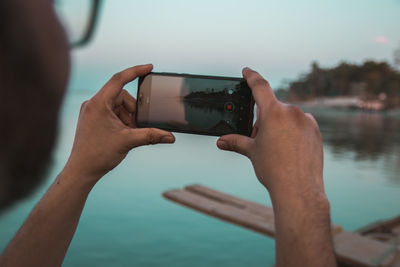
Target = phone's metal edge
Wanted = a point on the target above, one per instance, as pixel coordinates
(187, 132)
(252, 104)
(141, 78)
(197, 76)
(137, 97)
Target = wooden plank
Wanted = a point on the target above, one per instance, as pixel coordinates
(357, 250)
(224, 211)
(381, 226)
(251, 206)
(351, 248)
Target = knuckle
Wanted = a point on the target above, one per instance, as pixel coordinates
(92, 104)
(150, 137)
(117, 76)
(312, 119)
(317, 132)
(124, 92)
(295, 117)
(233, 144)
(134, 72)
(87, 106)
(310, 115)
(276, 107)
(295, 111)
(274, 110)
(83, 105)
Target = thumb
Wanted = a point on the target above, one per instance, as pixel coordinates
(148, 136)
(236, 143)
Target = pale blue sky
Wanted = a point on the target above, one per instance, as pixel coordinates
(278, 38)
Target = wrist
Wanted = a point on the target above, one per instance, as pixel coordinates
(303, 229)
(78, 166)
(292, 202)
(74, 177)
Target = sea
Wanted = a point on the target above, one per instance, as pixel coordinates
(127, 222)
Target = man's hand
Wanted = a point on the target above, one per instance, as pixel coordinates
(106, 129)
(285, 146)
(285, 149)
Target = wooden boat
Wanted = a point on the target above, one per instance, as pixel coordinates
(377, 244)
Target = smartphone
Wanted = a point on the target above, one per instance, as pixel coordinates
(197, 104)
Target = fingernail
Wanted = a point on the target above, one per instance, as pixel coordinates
(222, 144)
(167, 139)
(247, 68)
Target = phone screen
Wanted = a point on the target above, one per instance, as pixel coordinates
(195, 104)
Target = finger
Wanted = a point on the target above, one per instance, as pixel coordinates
(117, 110)
(258, 112)
(255, 130)
(125, 117)
(235, 142)
(114, 86)
(127, 100)
(83, 105)
(148, 136)
(311, 117)
(260, 88)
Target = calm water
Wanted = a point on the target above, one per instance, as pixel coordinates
(126, 221)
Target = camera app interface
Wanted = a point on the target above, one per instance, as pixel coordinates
(195, 104)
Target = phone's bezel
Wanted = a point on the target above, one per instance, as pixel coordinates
(186, 75)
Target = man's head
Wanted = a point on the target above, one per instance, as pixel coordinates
(34, 69)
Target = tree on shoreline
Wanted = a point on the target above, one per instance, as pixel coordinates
(368, 81)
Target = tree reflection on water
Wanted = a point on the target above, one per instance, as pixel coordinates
(369, 136)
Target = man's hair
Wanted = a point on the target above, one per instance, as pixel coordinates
(29, 107)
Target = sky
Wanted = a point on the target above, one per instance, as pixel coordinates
(279, 39)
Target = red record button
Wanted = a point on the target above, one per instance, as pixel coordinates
(229, 106)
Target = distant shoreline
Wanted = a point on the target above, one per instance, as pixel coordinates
(348, 102)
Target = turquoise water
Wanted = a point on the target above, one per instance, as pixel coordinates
(126, 222)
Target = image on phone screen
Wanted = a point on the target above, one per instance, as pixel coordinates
(195, 104)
